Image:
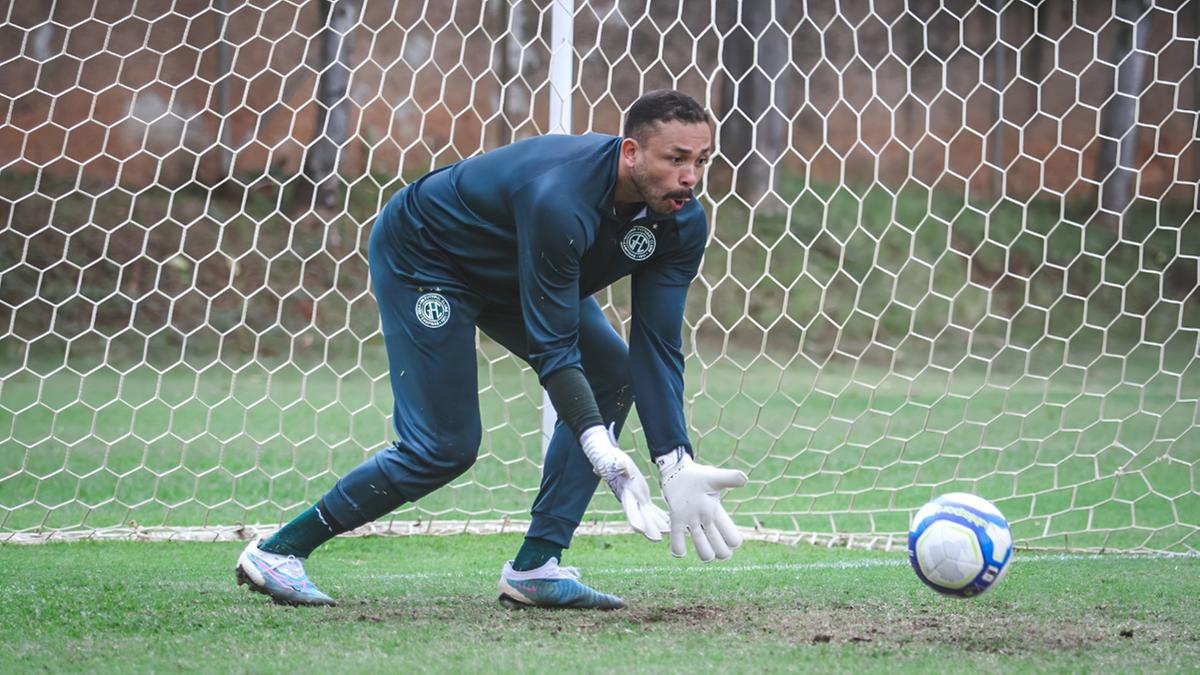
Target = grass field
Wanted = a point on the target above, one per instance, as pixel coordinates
(422, 604)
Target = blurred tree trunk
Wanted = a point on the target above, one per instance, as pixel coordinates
(338, 18)
(1116, 164)
(511, 23)
(754, 95)
(999, 83)
(224, 152)
(1196, 102)
(1033, 55)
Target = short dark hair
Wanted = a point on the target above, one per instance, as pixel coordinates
(661, 106)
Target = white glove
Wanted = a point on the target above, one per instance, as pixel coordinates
(625, 480)
(692, 493)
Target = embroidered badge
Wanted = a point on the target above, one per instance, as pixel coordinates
(638, 243)
(433, 310)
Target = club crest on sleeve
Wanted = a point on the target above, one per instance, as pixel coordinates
(638, 243)
(433, 310)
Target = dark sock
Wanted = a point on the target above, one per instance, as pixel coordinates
(534, 553)
(306, 532)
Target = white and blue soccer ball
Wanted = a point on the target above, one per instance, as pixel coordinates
(959, 544)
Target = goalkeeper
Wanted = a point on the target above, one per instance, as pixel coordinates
(515, 242)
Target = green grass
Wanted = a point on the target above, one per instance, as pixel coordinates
(419, 604)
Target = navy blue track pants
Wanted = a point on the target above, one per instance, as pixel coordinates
(429, 320)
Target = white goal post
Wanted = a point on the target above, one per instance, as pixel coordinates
(955, 247)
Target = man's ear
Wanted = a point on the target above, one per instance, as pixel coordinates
(629, 151)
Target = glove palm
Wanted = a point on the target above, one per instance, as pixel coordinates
(692, 492)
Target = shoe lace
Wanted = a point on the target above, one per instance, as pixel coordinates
(553, 571)
(291, 566)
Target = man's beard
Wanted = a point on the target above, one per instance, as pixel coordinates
(662, 203)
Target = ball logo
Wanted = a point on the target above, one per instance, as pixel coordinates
(433, 310)
(638, 243)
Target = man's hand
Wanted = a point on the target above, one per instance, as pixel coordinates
(626, 482)
(692, 492)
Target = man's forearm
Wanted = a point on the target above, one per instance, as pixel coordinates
(572, 398)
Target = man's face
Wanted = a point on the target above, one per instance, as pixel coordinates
(669, 164)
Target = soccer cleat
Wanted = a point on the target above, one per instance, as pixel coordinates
(281, 577)
(551, 586)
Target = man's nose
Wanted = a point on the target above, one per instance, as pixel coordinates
(687, 176)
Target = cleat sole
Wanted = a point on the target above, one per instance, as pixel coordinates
(513, 603)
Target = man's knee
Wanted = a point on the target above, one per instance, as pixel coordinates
(457, 449)
(420, 466)
(450, 449)
(613, 391)
(433, 445)
(621, 400)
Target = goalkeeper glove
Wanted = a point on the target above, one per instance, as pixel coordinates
(692, 493)
(625, 480)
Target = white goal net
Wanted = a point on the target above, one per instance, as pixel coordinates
(955, 247)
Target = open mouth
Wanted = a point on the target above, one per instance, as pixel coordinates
(676, 203)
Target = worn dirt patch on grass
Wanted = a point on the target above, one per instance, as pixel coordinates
(1006, 630)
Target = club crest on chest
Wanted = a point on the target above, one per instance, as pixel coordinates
(638, 243)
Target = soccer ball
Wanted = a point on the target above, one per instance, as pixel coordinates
(960, 545)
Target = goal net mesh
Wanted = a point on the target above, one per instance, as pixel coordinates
(954, 247)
